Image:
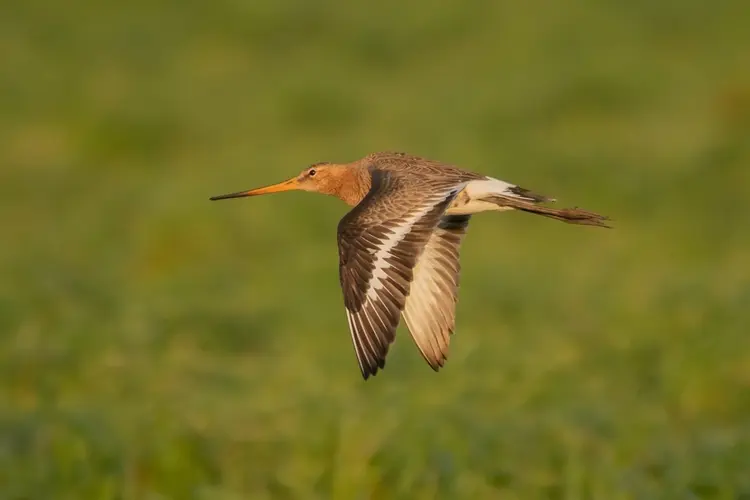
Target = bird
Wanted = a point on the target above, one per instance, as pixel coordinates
(399, 244)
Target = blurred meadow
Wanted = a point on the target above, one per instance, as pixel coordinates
(155, 345)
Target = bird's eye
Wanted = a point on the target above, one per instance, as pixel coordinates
(312, 172)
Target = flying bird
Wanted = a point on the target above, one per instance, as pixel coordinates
(399, 244)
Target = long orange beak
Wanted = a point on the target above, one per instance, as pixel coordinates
(288, 185)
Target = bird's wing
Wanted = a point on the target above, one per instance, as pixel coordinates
(380, 241)
(430, 309)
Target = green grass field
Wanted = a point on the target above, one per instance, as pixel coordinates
(155, 345)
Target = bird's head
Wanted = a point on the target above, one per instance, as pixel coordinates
(326, 178)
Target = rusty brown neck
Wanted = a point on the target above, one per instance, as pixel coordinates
(350, 184)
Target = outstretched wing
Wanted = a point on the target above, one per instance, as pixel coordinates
(380, 241)
(430, 310)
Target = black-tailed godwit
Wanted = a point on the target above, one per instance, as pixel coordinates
(399, 245)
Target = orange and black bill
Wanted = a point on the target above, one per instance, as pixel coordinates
(288, 185)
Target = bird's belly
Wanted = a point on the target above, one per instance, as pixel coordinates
(465, 204)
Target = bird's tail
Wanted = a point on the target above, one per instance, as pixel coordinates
(568, 215)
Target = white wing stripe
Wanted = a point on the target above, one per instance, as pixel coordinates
(384, 251)
(395, 236)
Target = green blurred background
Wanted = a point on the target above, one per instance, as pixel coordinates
(155, 345)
